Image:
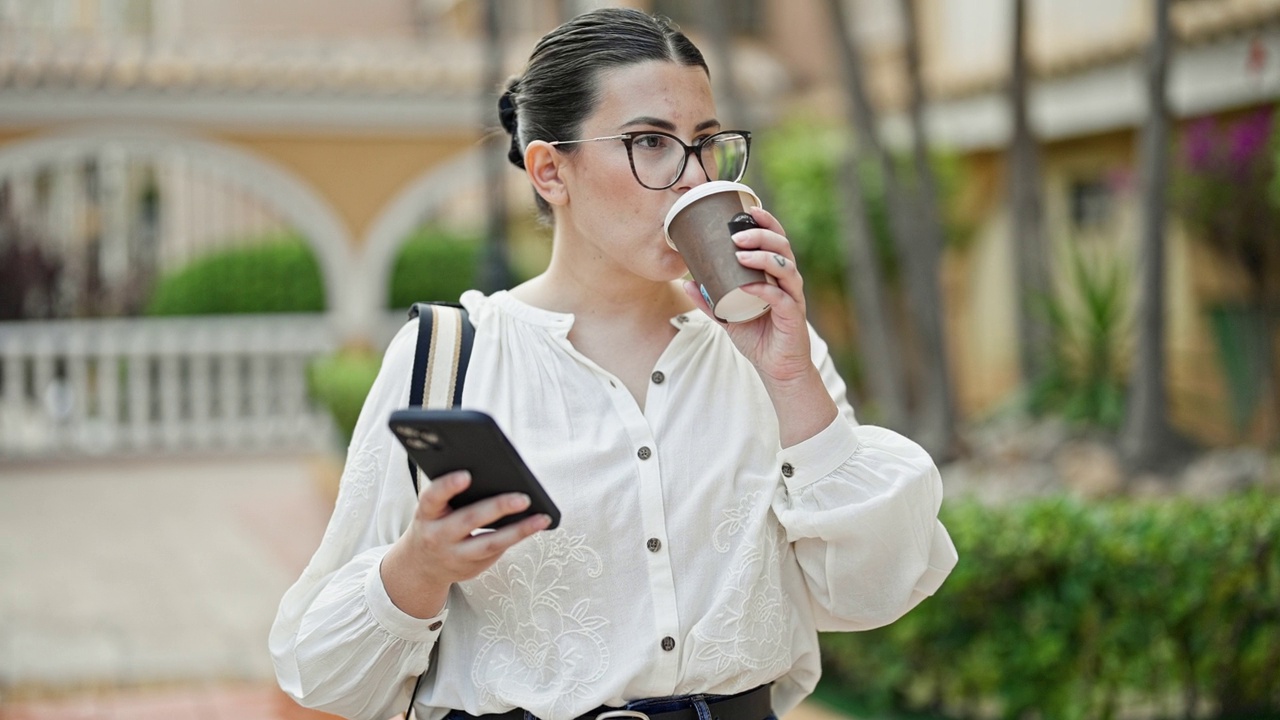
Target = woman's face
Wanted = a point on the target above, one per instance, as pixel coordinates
(614, 217)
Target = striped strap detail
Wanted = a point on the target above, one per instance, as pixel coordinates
(441, 376)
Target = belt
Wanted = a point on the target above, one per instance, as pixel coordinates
(754, 704)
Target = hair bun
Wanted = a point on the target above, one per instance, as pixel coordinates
(507, 112)
(511, 122)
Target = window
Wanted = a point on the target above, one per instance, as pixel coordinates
(1091, 204)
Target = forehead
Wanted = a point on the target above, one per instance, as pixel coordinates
(680, 94)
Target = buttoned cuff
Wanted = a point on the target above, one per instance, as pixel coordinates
(810, 460)
(393, 619)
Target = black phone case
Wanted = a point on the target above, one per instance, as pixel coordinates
(441, 441)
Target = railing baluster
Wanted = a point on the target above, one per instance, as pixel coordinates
(77, 382)
(139, 385)
(200, 377)
(139, 359)
(110, 368)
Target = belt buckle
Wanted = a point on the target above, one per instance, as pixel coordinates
(622, 714)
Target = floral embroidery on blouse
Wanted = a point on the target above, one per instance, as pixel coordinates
(359, 477)
(534, 646)
(748, 626)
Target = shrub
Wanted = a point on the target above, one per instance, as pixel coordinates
(434, 264)
(340, 382)
(274, 274)
(1089, 322)
(1060, 609)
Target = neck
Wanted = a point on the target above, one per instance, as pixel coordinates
(596, 288)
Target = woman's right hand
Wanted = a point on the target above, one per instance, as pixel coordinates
(439, 548)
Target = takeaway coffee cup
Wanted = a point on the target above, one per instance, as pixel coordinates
(700, 227)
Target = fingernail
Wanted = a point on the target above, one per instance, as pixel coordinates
(739, 238)
(461, 478)
(744, 254)
(521, 501)
(542, 521)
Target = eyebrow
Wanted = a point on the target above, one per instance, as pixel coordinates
(668, 125)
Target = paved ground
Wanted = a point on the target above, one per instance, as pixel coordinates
(145, 589)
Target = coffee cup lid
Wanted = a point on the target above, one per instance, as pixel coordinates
(749, 199)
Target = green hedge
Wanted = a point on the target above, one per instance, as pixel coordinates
(340, 382)
(434, 264)
(1065, 610)
(276, 273)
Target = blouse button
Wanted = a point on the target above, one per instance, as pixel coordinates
(654, 544)
(435, 626)
(668, 643)
(788, 470)
(657, 377)
(644, 453)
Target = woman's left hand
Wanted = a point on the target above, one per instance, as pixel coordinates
(776, 343)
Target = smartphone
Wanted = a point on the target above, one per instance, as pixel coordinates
(441, 441)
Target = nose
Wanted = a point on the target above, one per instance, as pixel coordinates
(693, 174)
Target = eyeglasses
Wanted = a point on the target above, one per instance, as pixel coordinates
(658, 159)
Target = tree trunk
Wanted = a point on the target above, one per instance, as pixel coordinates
(715, 16)
(881, 348)
(937, 406)
(1146, 436)
(495, 266)
(1030, 252)
(865, 298)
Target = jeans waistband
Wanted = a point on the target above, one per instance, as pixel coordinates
(754, 704)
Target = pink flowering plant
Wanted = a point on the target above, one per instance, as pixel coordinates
(1227, 193)
(1224, 194)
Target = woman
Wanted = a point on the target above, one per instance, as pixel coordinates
(720, 504)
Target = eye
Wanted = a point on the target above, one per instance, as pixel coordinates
(651, 142)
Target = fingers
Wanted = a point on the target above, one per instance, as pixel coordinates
(779, 267)
(486, 547)
(768, 236)
(434, 496)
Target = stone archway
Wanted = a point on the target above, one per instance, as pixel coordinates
(402, 215)
(289, 196)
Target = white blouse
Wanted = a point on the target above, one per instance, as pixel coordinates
(695, 555)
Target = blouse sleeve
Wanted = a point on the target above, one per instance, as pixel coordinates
(860, 507)
(338, 642)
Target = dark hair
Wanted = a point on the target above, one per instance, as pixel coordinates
(559, 88)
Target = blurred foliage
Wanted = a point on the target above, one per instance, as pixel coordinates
(277, 273)
(434, 264)
(1225, 192)
(340, 382)
(1060, 609)
(1089, 321)
(800, 160)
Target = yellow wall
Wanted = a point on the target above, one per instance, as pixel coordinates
(981, 299)
(358, 175)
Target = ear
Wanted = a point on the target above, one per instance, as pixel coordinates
(543, 164)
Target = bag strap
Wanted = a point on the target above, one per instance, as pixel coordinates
(445, 336)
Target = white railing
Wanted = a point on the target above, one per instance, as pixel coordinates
(92, 387)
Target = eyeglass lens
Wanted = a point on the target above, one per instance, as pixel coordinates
(659, 159)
